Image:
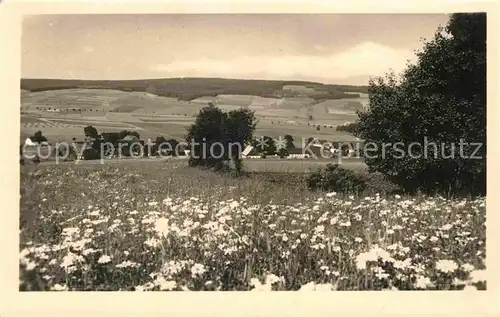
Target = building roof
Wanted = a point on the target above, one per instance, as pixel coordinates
(30, 142)
(247, 150)
(297, 150)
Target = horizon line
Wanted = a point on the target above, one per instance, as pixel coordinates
(191, 77)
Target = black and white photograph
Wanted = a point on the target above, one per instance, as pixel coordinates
(253, 152)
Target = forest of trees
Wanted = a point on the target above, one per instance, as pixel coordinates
(191, 88)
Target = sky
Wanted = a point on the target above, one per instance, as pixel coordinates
(329, 48)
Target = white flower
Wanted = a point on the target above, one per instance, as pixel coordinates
(126, 264)
(358, 239)
(59, 287)
(197, 269)
(165, 285)
(380, 273)
(88, 251)
(70, 231)
(272, 279)
(382, 254)
(68, 260)
(104, 259)
(423, 282)
(139, 288)
(446, 266)
(372, 256)
(30, 265)
(162, 227)
(446, 227)
(331, 194)
(364, 257)
(311, 286)
(345, 224)
(468, 267)
(234, 204)
(457, 282)
(258, 286)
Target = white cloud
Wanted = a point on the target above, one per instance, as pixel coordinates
(364, 59)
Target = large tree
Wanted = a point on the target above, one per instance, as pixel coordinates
(289, 141)
(38, 137)
(91, 132)
(440, 99)
(217, 136)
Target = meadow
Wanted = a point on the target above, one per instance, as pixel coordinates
(148, 227)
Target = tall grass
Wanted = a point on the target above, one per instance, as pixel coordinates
(169, 227)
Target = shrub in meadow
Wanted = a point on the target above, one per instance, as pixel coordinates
(282, 153)
(335, 178)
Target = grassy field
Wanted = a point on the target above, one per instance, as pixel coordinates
(299, 166)
(169, 227)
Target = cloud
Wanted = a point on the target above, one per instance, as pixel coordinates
(363, 59)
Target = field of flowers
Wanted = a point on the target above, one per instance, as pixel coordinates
(169, 227)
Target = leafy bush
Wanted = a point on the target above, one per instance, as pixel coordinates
(335, 178)
(91, 154)
(435, 105)
(38, 137)
(282, 153)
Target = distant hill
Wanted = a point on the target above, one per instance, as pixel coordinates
(188, 89)
(353, 80)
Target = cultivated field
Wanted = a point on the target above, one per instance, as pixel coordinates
(170, 227)
(61, 114)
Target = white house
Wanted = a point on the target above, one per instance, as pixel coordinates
(28, 142)
(247, 151)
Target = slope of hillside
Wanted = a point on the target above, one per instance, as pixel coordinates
(192, 88)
